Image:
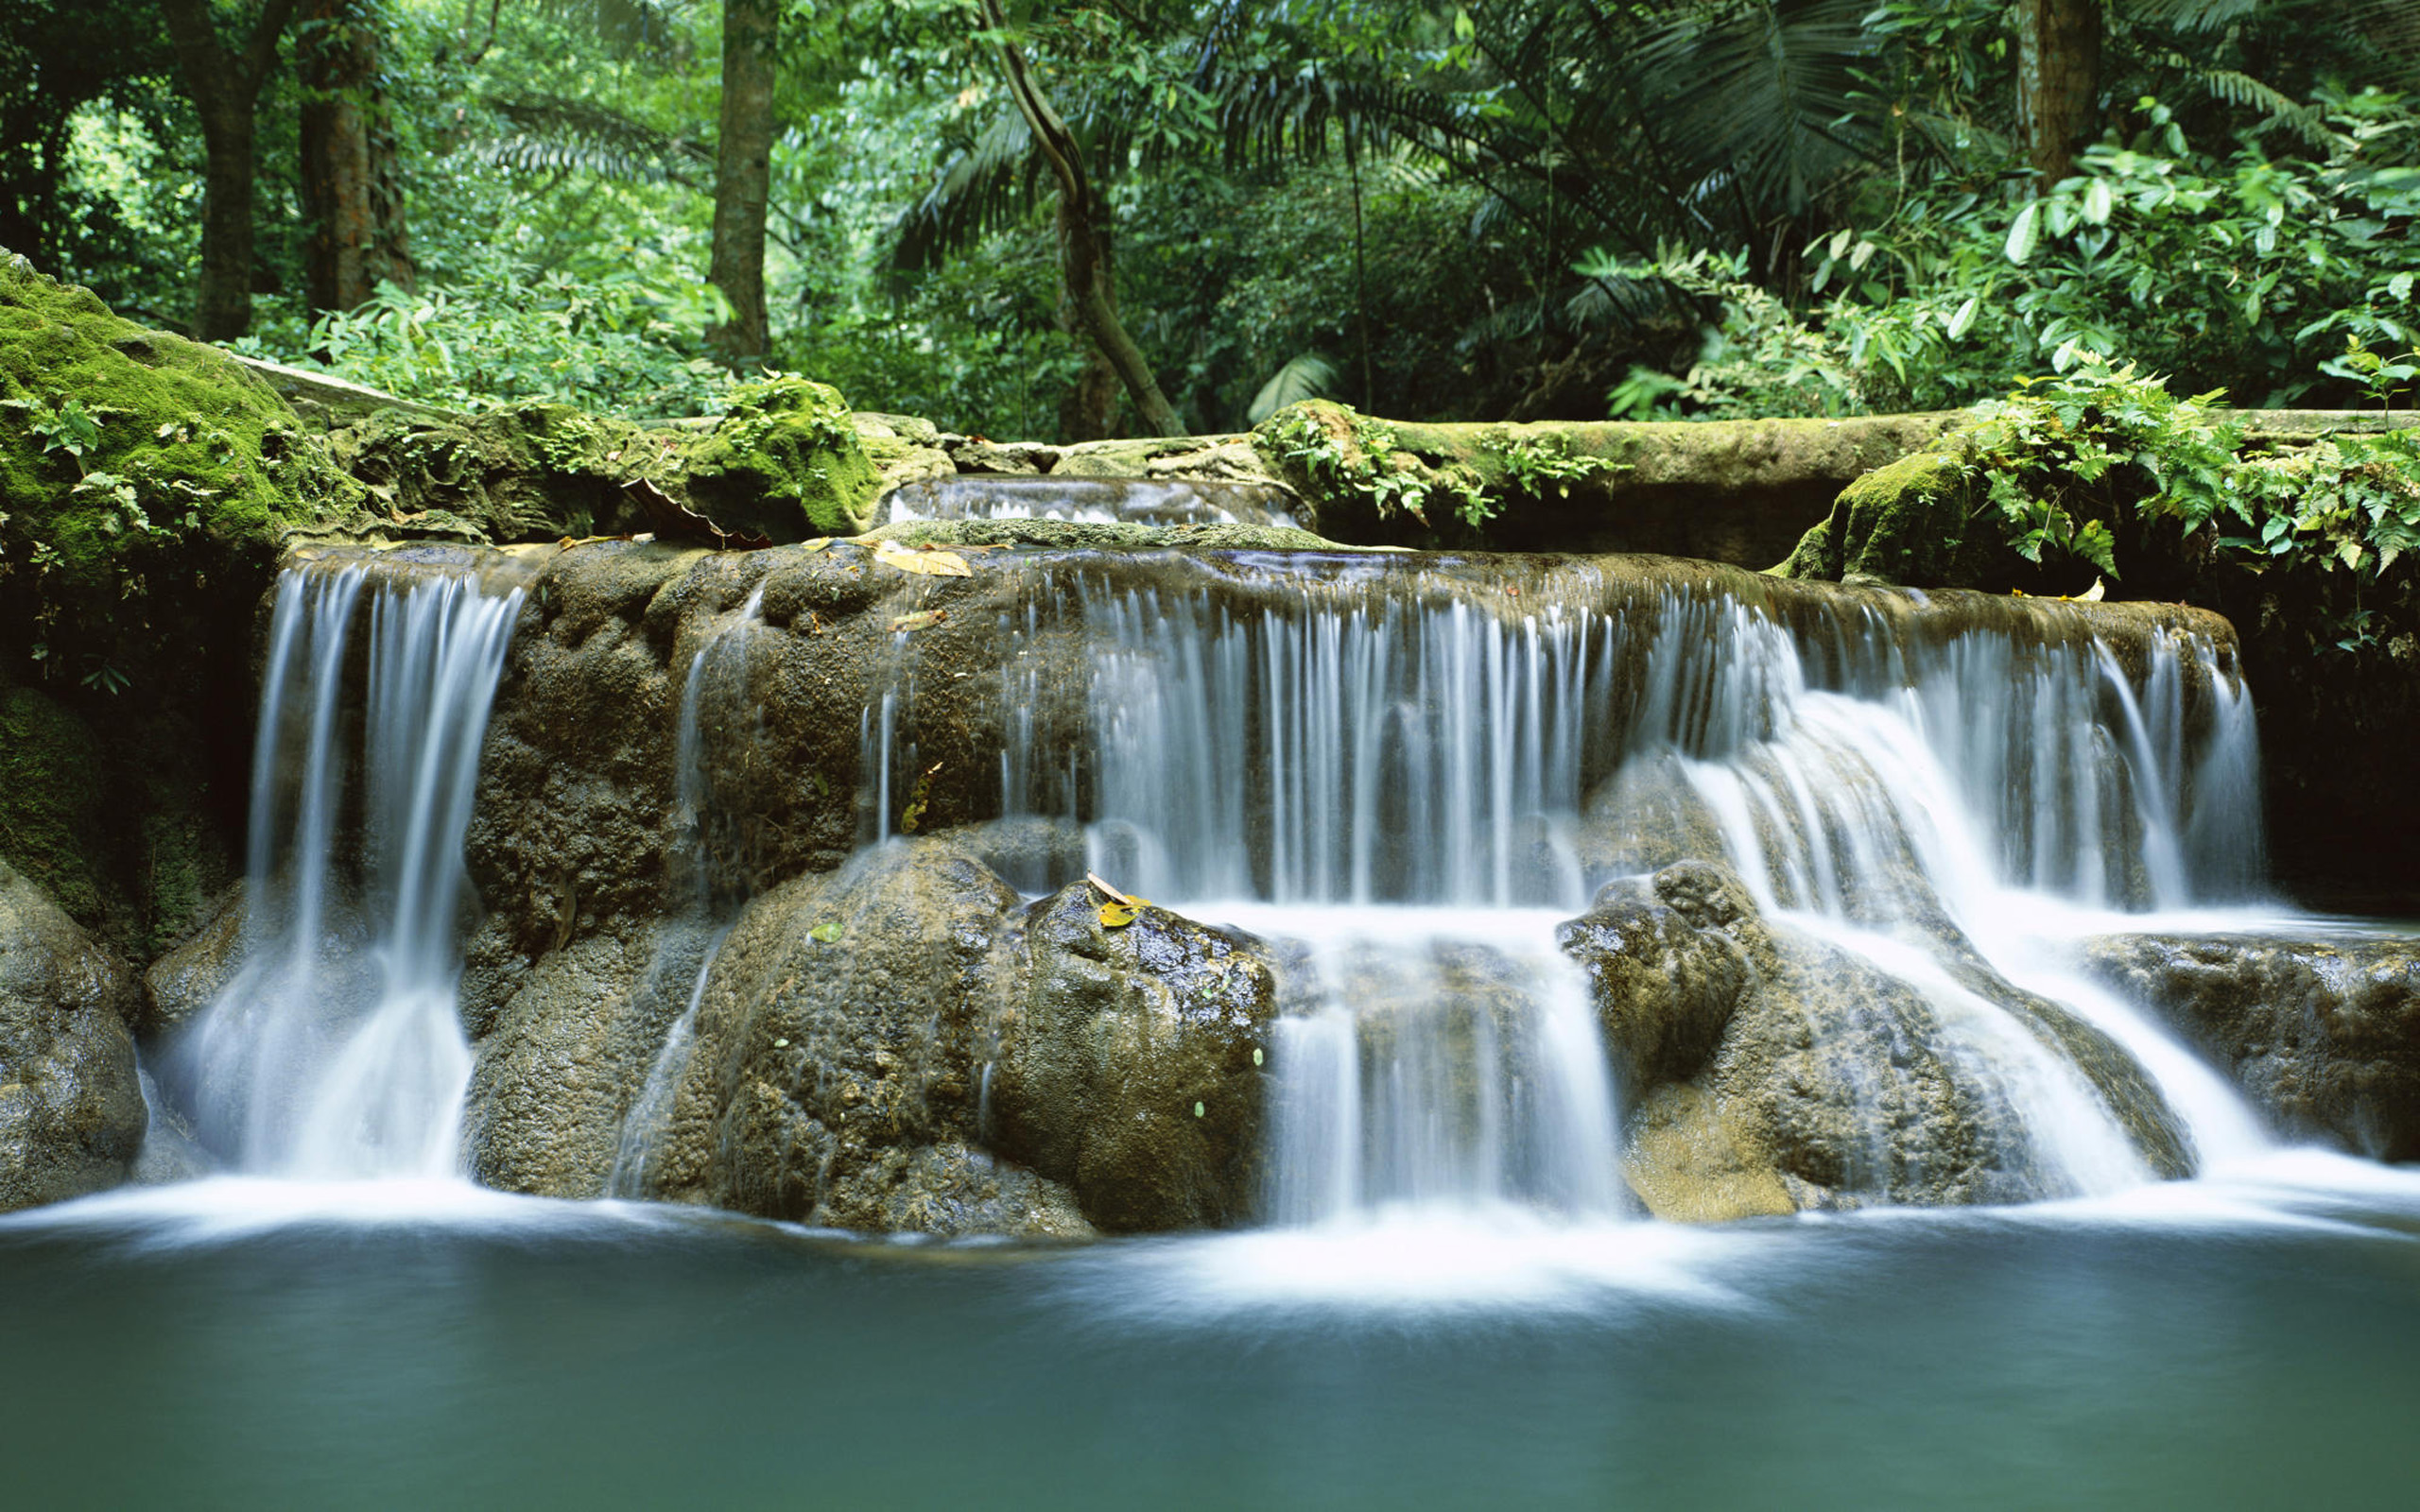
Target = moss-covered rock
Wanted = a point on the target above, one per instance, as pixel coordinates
(138, 471)
(786, 463)
(51, 800)
(1904, 522)
(532, 471)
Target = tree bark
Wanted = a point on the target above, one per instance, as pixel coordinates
(1085, 264)
(348, 188)
(2057, 72)
(743, 178)
(225, 85)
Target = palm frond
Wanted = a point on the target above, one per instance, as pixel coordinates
(554, 134)
(1307, 376)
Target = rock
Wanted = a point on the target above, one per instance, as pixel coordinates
(71, 1107)
(1665, 968)
(185, 981)
(2324, 1034)
(786, 463)
(1125, 1064)
(1764, 1064)
(566, 1056)
(1738, 491)
(973, 454)
(833, 1078)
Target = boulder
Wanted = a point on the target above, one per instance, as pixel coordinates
(1127, 1062)
(2325, 1034)
(71, 1104)
(1769, 1071)
(185, 981)
(834, 1073)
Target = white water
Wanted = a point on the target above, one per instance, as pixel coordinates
(336, 1051)
(1360, 757)
(1088, 501)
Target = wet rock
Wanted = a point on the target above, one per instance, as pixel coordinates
(1125, 1064)
(568, 1052)
(1770, 1071)
(183, 982)
(2325, 1034)
(833, 1078)
(71, 1107)
(1664, 970)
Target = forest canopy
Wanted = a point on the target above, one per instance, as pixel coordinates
(1066, 221)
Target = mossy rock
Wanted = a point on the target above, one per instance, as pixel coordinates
(1908, 522)
(529, 471)
(785, 463)
(138, 470)
(51, 800)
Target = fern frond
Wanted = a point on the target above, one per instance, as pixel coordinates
(1307, 376)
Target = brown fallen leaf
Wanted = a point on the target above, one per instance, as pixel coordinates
(930, 564)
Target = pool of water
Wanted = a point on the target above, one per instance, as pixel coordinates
(2247, 1342)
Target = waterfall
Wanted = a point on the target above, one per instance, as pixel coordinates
(336, 1051)
(719, 671)
(1407, 764)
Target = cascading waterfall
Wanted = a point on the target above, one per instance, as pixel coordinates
(1402, 769)
(336, 1051)
(719, 671)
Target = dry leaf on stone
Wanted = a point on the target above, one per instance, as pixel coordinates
(930, 564)
(920, 620)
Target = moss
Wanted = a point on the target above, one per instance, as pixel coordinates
(1906, 523)
(784, 462)
(146, 483)
(51, 802)
(532, 471)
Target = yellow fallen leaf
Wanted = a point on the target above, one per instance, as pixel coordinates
(1117, 916)
(930, 564)
(819, 544)
(921, 620)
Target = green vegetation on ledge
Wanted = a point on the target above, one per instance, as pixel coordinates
(786, 463)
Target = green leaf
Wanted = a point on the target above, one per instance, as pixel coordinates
(2022, 233)
(2099, 203)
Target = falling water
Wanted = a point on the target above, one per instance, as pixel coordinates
(321, 1058)
(1090, 501)
(719, 671)
(1410, 762)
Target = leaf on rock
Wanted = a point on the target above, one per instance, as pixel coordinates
(827, 931)
(921, 621)
(930, 564)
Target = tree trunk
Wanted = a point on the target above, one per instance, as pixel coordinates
(225, 85)
(223, 306)
(1084, 261)
(743, 177)
(349, 190)
(2058, 73)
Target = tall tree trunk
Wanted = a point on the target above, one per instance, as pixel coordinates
(349, 190)
(2058, 73)
(1085, 268)
(225, 85)
(743, 175)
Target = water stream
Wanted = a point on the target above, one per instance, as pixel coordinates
(336, 1051)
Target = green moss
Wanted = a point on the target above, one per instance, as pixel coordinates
(51, 802)
(784, 462)
(1904, 522)
(533, 472)
(137, 470)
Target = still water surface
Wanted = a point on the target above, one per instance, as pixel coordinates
(2246, 1343)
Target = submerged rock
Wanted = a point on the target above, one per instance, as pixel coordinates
(71, 1107)
(2323, 1034)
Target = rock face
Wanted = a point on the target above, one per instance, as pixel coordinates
(1770, 1072)
(71, 1105)
(2324, 1034)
